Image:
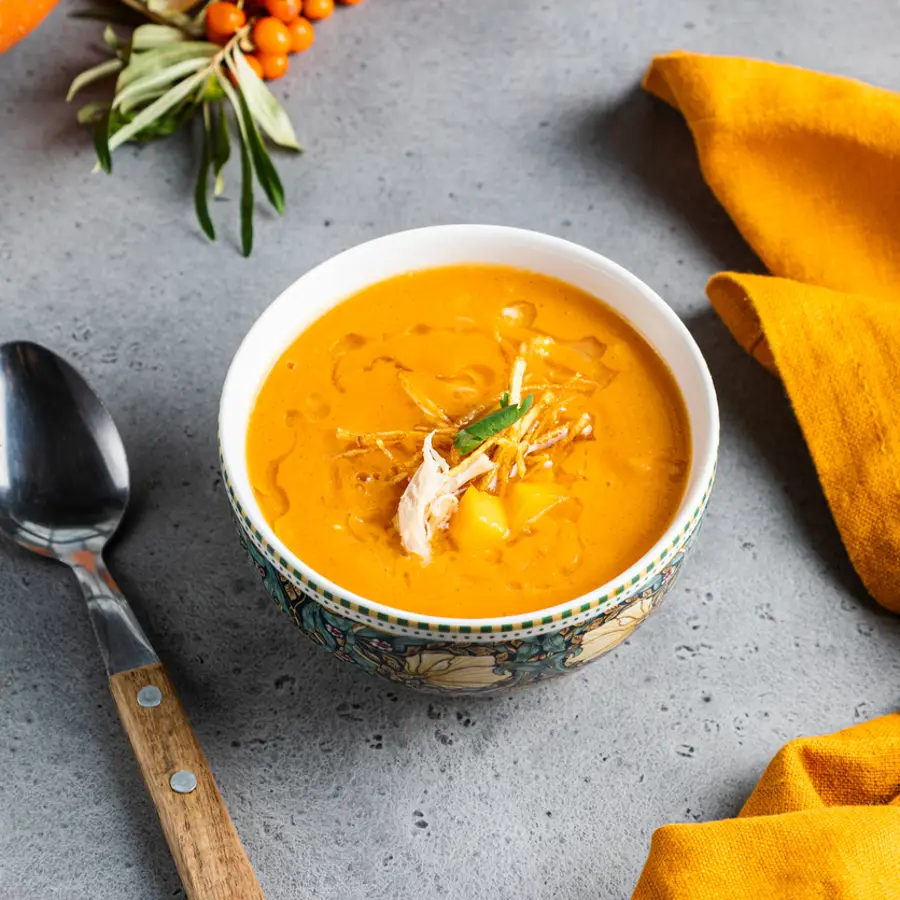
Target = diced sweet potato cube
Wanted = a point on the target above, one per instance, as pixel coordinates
(527, 501)
(480, 522)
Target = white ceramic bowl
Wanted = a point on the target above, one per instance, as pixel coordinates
(443, 653)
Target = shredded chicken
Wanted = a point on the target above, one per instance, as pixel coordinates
(430, 497)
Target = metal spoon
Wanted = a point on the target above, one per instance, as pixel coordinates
(63, 493)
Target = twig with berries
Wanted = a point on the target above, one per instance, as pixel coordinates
(167, 74)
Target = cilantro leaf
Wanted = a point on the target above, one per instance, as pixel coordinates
(472, 437)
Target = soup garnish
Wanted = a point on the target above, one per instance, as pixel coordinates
(471, 441)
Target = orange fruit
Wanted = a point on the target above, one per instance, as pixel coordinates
(273, 65)
(318, 9)
(302, 34)
(285, 10)
(215, 38)
(350, 2)
(256, 65)
(19, 17)
(223, 20)
(271, 37)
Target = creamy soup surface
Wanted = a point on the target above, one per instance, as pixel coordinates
(472, 441)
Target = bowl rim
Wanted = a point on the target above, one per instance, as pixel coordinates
(691, 509)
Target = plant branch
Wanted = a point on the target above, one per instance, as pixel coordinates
(144, 11)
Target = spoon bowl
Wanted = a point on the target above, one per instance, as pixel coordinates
(63, 471)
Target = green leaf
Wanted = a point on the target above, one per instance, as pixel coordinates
(200, 200)
(477, 433)
(160, 58)
(265, 109)
(134, 103)
(159, 128)
(246, 201)
(246, 169)
(91, 113)
(213, 90)
(103, 70)
(172, 7)
(262, 162)
(161, 13)
(504, 400)
(106, 14)
(111, 39)
(153, 85)
(221, 147)
(156, 110)
(101, 144)
(146, 37)
(173, 11)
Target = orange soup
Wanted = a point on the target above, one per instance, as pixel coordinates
(472, 441)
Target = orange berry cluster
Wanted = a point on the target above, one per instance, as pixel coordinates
(286, 29)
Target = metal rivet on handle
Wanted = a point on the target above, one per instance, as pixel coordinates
(149, 696)
(183, 781)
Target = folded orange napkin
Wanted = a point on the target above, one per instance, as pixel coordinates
(822, 824)
(808, 167)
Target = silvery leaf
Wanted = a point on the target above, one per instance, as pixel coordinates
(264, 108)
(155, 110)
(111, 39)
(105, 14)
(159, 58)
(91, 113)
(221, 147)
(110, 67)
(141, 99)
(101, 143)
(168, 7)
(148, 85)
(262, 162)
(201, 203)
(146, 37)
(246, 171)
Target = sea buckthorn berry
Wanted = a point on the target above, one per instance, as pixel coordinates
(274, 65)
(318, 9)
(223, 20)
(215, 38)
(271, 37)
(350, 2)
(285, 10)
(255, 64)
(302, 34)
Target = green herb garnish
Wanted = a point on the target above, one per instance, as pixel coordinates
(167, 74)
(472, 437)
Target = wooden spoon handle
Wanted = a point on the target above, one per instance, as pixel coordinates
(208, 853)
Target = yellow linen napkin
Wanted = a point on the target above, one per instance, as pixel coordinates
(822, 824)
(808, 167)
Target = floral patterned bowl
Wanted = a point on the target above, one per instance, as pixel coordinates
(447, 655)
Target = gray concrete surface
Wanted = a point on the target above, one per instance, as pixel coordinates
(523, 112)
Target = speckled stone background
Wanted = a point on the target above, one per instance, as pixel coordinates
(523, 112)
